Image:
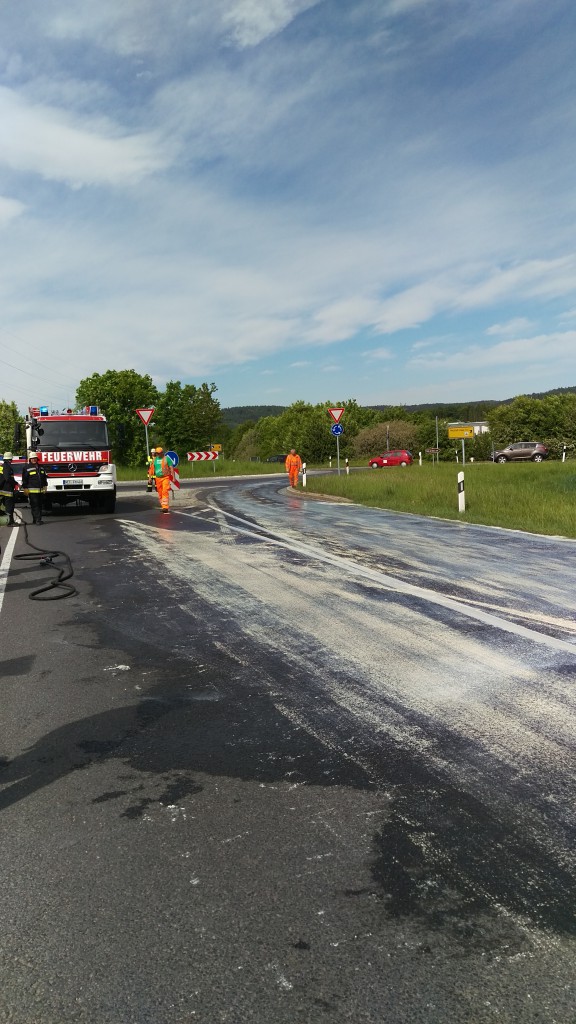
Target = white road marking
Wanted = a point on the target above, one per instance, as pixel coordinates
(5, 564)
(381, 579)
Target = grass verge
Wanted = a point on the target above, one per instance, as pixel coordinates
(220, 467)
(539, 498)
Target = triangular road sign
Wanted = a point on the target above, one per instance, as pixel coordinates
(145, 415)
(336, 414)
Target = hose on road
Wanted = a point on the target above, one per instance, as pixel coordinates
(45, 557)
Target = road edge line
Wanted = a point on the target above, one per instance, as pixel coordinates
(5, 565)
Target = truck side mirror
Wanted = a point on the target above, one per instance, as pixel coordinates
(17, 434)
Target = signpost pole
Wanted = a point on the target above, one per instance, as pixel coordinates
(336, 430)
(463, 453)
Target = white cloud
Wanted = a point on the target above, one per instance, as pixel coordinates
(9, 209)
(341, 319)
(378, 353)
(532, 277)
(568, 317)
(47, 141)
(142, 27)
(288, 196)
(252, 21)
(414, 306)
(540, 350)
(511, 327)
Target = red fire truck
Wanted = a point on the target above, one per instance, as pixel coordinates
(74, 452)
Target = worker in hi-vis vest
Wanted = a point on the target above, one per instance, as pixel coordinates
(163, 466)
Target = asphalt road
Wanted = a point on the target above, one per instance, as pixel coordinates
(285, 761)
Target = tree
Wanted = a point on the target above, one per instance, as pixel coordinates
(304, 427)
(119, 393)
(9, 419)
(248, 446)
(551, 419)
(236, 438)
(395, 434)
(188, 418)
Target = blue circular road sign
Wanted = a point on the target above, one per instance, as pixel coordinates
(174, 457)
(337, 429)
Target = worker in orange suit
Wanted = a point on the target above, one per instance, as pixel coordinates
(293, 467)
(163, 466)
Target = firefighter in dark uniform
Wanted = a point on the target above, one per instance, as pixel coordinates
(7, 487)
(34, 484)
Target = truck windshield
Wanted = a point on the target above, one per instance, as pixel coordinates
(64, 434)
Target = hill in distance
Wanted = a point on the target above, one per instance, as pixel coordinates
(237, 414)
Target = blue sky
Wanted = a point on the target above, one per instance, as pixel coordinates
(295, 199)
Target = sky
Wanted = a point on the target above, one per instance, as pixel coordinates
(293, 199)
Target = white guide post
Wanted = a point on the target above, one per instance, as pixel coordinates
(461, 495)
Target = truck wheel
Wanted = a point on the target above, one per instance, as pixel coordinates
(106, 503)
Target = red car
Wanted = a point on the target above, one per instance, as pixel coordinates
(398, 457)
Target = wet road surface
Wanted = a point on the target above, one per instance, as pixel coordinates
(283, 760)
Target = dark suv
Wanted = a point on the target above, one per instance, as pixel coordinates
(532, 450)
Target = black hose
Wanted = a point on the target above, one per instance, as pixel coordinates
(45, 557)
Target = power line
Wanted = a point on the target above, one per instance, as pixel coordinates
(27, 346)
(26, 393)
(28, 373)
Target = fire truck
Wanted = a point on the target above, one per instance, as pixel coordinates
(74, 452)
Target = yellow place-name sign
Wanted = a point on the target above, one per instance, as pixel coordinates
(455, 432)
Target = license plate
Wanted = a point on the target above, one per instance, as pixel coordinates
(72, 483)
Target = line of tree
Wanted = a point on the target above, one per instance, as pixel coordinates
(186, 418)
(9, 418)
(367, 431)
(189, 418)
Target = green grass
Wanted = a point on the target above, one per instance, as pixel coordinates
(526, 496)
(220, 467)
(536, 498)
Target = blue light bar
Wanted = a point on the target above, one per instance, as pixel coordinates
(44, 410)
(92, 410)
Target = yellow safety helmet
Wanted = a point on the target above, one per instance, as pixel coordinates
(159, 451)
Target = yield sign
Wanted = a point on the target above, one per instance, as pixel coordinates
(336, 414)
(145, 415)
